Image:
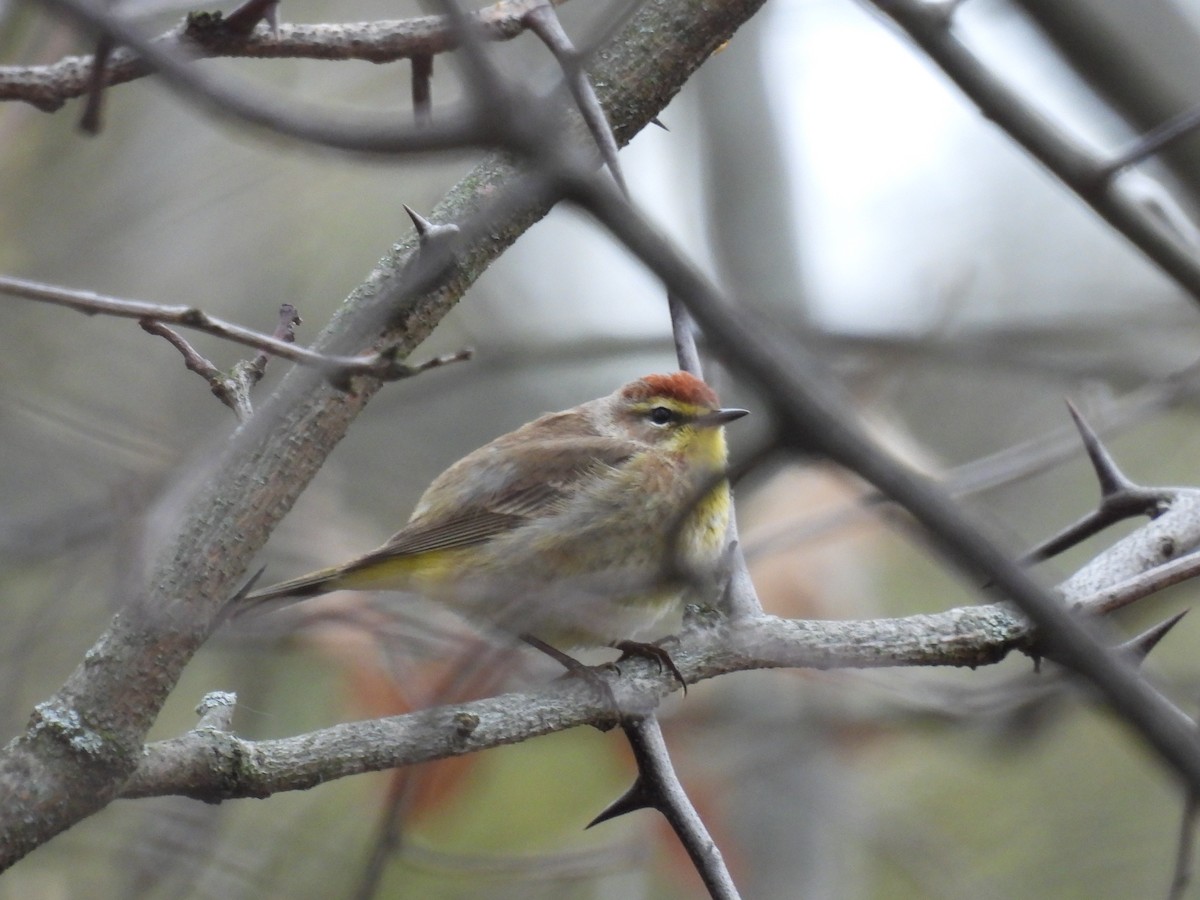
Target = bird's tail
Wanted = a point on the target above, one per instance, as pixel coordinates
(310, 585)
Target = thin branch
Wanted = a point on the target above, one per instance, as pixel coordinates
(233, 98)
(232, 389)
(204, 36)
(218, 767)
(1135, 587)
(1078, 169)
(202, 767)
(1151, 143)
(814, 416)
(543, 21)
(285, 330)
(683, 332)
(233, 392)
(384, 365)
(657, 787)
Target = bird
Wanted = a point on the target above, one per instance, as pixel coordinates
(580, 528)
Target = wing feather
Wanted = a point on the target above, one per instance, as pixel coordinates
(524, 488)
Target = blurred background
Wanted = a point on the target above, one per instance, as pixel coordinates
(824, 172)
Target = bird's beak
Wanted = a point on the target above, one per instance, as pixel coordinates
(719, 417)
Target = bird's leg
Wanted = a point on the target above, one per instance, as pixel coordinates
(654, 651)
(576, 669)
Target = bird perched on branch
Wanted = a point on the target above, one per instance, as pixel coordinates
(580, 528)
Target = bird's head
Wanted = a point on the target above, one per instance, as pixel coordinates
(678, 413)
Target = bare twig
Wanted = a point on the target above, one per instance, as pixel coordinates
(285, 330)
(1151, 143)
(232, 391)
(226, 97)
(191, 359)
(683, 331)
(339, 369)
(48, 86)
(1133, 588)
(543, 21)
(1078, 169)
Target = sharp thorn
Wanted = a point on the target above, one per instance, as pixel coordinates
(637, 797)
(1138, 648)
(658, 122)
(1111, 479)
(422, 224)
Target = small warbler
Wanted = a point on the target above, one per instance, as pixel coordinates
(580, 528)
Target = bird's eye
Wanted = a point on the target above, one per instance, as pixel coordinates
(661, 415)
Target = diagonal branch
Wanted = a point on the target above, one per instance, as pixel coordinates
(543, 21)
(1082, 172)
(87, 739)
(813, 415)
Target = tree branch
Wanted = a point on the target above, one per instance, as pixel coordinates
(814, 417)
(208, 35)
(53, 775)
(1082, 172)
(382, 365)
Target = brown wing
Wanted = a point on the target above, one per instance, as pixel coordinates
(513, 488)
(487, 493)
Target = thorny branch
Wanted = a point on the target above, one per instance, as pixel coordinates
(967, 636)
(815, 417)
(383, 365)
(658, 787)
(140, 656)
(234, 99)
(204, 35)
(133, 655)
